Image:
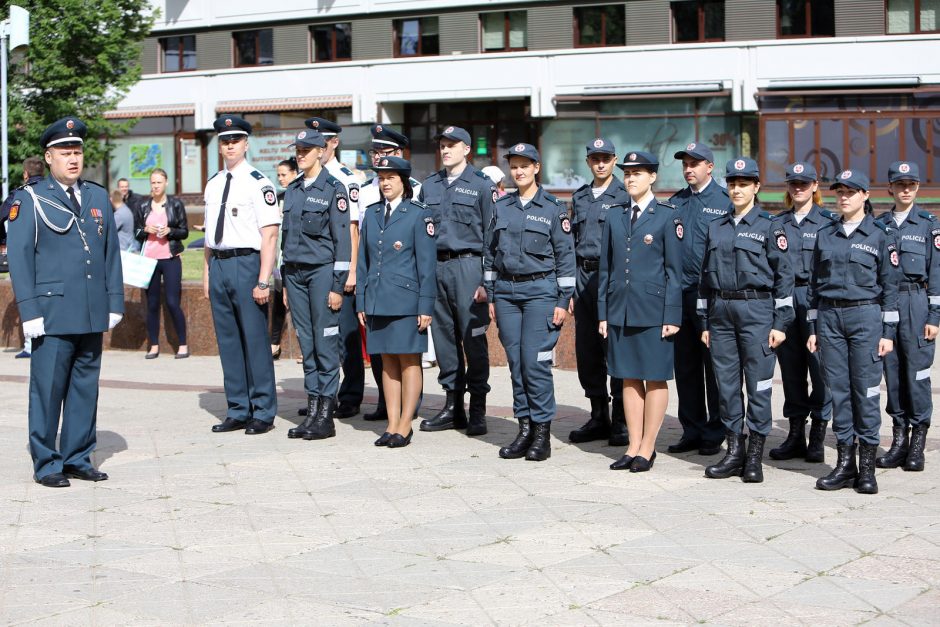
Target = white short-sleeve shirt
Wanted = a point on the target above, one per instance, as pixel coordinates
(251, 205)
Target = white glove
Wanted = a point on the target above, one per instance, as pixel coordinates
(34, 328)
(113, 319)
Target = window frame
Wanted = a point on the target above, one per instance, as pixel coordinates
(506, 25)
(700, 8)
(577, 25)
(808, 4)
(257, 32)
(396, 37)
(917, 29)
(334, 58)
(180, 49)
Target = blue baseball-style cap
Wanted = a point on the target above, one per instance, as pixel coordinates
(395, 164)
(227, 125)
(523, 150)
(64, 132)
(454, 133)
(640, 159)
(324, 126)
(801, 171)
(601, 145)
(696, 150)
(852, 178)
(903, 171)
(385, 137)
(742, 168)
(309, 139)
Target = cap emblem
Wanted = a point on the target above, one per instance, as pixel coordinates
(519, 147)
(690, 146)
(70, 125)
(378, 128)
(449, 129)
(316, 123)
(904, 168)
(301, 134)
(228, 121)
(846, 175)
(739, 164)
(798, 168)
(598, 143)
(384, 162)
(632, 156)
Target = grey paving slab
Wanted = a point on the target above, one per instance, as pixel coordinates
(196, 528)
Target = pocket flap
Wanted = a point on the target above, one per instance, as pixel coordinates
(655, 290)
(909, 246)
(746, 243)
(537, 227)
(866, 259)
(405, 282)
(50, 289)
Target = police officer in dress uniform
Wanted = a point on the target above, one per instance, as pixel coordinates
(745, 302)
(65, 266)
(802, 222)
(242, 223)
(316, 247)
(591, 204)
(698, 204)
(386, 142)
(853, 322)
(907, 367)
(529, 276)
(461, 200)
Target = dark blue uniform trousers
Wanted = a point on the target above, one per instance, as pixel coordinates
(354, 379)
(740, 331)
(796, 362)
(317, 326)
(63, 379)
(590, 348)
(459, 327)
(695, 378)
(907, 368)
(241, 329)
(524, 313)
(847, 339)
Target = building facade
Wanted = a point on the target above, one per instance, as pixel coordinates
(842, 83)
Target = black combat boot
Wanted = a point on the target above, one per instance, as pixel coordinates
(313, 406)
(597, 427)
(476, 422)
(900, 443)
(460, 412)
(845, 472)
(323, 427)
(541, 447)
(753, 463)
(866, 483)
(795, 444)
(618, 425)
(522, 442)
(733, 462)
(915, 452)
(815, 450)
(444, 419)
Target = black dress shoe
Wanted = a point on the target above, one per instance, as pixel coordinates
(55, 480)
(229, 424)
(345, 410)
(684, 445)
(622, 464)
(383, 439)
(380, 413)
(641, 464)
(398, 440)
(708, 448)
(181, 355)
(257, 427)
(85, 474)
(152, 355)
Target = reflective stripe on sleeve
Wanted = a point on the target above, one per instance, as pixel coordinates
(544, 356)
(328, 331)
(566, 281)
(890, 316)
(477, 331)
(766, 384)
(934, 300)
(811, 315)
(783, 302)
(489, 276)
(873, 392)
(341, 265)
(922, 374)
(701, 303)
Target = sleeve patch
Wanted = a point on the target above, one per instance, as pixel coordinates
(893, 255)
(565, 223)
(680, 230)
(14, 210)
(780, 237)
(936, 238)
(270, 197)
(341, 204)
(353, 192)
(429, 226)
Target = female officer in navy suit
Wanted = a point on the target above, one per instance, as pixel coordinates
(529, 279)
(853, 321)
(396, 291)
(745, 302)
(639, 304)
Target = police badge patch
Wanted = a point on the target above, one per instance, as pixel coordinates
(354, 192)
(429, 226)
(341, 204)
(893, 255)
(680, 230)
(565, 223)
(15, 211)
(269, 196)
(935, 233)
(781, 238)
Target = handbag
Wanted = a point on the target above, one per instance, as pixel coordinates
(137, 269)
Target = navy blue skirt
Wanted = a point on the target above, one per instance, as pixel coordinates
(395, 335)
(639, 353)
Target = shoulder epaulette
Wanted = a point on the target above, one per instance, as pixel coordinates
(829, 214)
(764, 214)
(663, 203)
(927, 215)
(376, 204)
(881, 225)
(504, 197)
(584, 187)
(551, 198)
(96, 184)
(480, 174)
(418, 204)
(257, 175)
(213, 176)
(36, 182)
(346, 170)
(335, 182)
(414, 182)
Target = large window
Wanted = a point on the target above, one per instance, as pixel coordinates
(912, 16)
(698, 20)
(331, 42)
(504, 31)
(805, 18)
(602, 25)
(416, 37)
(254, 47)
(179, 53)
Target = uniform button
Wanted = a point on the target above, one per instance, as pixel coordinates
(48, 293)
(378, 274)
(380, 241)
(88, 275)
(628, 260)
(627, 282)
(628, 249)
(88, 261)
(627, 271)
(83, 220)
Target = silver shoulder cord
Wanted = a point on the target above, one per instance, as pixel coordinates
(37, 210)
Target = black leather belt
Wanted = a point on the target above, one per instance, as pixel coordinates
(300, 266)
(448, 255)
(589, 264)
(800, 283)
(835, 302)
(232, 252)
(743, 294)
(520, 278)
(912, 287)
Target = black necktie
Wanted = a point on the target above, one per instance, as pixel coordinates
(220, 223)
(388, 212)
(76, 208)
(636, 214)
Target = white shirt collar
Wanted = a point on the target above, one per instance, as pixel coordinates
(703, 188)
(644, 202)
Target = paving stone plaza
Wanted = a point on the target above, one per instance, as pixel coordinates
(199, 528)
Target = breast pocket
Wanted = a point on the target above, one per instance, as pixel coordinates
(434, 206)
(536, 239)
(824, 268)
(463, 210)
(913, 258)
(806, 254)
(314, 223)
(748, 254)
(864, 268)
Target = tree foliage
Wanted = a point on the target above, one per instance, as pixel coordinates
(83, 57)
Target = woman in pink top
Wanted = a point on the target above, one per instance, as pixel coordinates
(160, 224)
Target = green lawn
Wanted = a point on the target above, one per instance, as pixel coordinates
(192, 259)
